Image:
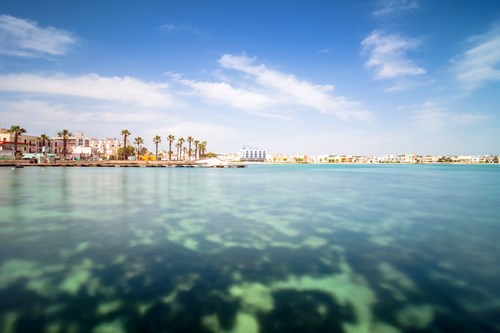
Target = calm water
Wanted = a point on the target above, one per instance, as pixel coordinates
(376, 249)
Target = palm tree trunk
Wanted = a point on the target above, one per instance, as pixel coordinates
(125, 147)
(64, 148)
(15, 145)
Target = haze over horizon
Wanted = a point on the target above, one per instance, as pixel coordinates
(313, 77)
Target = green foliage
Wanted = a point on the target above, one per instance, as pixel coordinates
(130, 152)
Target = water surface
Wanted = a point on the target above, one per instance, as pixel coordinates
(279, 248)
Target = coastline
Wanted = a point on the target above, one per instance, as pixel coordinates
(190, 164)
(24, 163)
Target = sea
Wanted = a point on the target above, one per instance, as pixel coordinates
(266, 248)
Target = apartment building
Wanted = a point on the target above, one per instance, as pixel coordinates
(248, 154)
(25, 143)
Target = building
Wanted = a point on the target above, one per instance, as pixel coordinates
(106, 148)
(248, 154)
(78, 146)
(56, 146)
(25, 143)
(410, 159)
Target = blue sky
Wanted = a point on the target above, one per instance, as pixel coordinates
(311, 77)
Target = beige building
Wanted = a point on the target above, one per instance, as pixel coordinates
(25, 143)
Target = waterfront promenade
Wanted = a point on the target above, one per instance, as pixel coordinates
(110, 164)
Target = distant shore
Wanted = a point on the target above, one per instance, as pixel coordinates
(73, 163)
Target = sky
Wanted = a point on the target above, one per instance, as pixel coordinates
(365, 77)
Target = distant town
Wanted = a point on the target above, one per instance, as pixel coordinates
(15, 143)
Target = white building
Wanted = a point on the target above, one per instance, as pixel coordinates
(106, 148)
(248, 154)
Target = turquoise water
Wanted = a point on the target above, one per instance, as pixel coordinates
(294, 248)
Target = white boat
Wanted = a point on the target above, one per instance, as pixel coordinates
(213, 162)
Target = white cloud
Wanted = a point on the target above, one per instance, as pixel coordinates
(405, 84)
(387, 55)
(200, 131)
(126, 90)
(174, 29)
(23, 38)
(50, 111)
(432, 117)
(101, 120)
(481, 62)
(223, 93)
(27, 109)
(288, 90)
(390, 7)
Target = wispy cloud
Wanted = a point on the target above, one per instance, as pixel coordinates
(288, 90)
(174, 29)
(199, 130)
(23, 38)
(391, 7)
(433, 117)
(404, 84)
(49, 115)
(480, 62)
(224, 93)
(124, 90)
(324, 51)
(387, 55)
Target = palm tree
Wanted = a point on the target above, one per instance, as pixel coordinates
(190, 140)
(156, 141)
(16, 130)
(64, 134)
(45, 139)
(170, 139)
(177, 146)
(196, 144)
(125, 133)
(202, 148)
(180, 141)
(138, 141)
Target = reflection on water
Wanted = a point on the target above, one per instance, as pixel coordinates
(262, 249)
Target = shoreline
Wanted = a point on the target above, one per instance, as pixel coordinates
(118, 164)
(191, 164)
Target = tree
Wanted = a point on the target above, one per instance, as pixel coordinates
(196, 144)
(202, 147)
(156, 141)
(170, 139)
(210, 155)
(16, 130)
(45, 139)
(190, 140)
(177, 149)
(138, 141)
(180, 141)
(125, 134)
(121, 152)
(64, 134)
